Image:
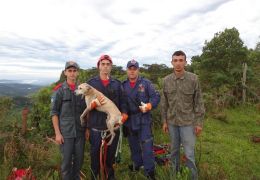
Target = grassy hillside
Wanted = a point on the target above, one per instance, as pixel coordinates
(223, 151)
(227, 151)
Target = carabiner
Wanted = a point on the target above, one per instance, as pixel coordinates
(103, 134)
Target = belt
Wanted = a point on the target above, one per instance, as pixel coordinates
(99, 130)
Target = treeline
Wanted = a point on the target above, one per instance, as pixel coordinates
(219, 67)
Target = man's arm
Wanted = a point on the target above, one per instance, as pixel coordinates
(164, 104)
(154, 99)
(164, 109)
(58, 137)
(154, 96)
(123, 104)
(198, 108)
(56, 102)
(123, 100)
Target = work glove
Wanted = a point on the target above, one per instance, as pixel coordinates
(145, 107)
(124, 118)
(100, 100)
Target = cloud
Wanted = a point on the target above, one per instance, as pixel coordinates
(38, 37)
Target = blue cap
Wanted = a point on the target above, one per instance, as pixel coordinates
(132, 63)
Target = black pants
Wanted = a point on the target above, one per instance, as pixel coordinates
(72, 151)
(95, 143)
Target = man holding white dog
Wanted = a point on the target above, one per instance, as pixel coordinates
(141, 99)
(112, 89)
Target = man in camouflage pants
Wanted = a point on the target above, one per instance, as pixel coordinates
(182, 111)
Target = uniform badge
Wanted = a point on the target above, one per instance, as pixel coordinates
(133, 61)
(141, 88)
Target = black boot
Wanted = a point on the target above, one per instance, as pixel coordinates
(151, 176)
(133, 168)
(111, 174)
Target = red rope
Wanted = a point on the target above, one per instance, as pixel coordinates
(105, 159)
(102, 159)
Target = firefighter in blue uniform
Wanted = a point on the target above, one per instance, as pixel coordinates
(112, 89)
(66, 109)
(141, 99)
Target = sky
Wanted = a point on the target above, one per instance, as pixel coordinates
(37, 37)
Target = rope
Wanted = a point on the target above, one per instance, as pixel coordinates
(103, 156)
(119, 146)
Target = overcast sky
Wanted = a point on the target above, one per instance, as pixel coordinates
(37, 37)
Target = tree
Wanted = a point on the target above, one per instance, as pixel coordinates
(254, 69)
(257, 47)
(6, 104)
(40, 113)
(221, 60)
(155, 71)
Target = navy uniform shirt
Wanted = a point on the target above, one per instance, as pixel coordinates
(114, 92)
(145, 92)
(68, 107)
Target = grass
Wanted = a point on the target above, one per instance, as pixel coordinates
(223, 151)
(226, 149)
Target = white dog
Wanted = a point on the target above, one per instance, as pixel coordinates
(113, 114)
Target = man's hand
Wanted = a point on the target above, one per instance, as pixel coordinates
(198, 130)
(124, 118)
(100, 100)
(87, 133)
(145, 107)
(165, 127)
(59, 139)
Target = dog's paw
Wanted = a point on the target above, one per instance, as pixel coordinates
(111, 139)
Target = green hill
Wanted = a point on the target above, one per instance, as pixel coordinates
(17, 89)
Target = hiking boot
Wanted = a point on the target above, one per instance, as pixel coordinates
(151, 176)
(133, 168)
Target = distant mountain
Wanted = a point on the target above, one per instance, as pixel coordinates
(13, 89)
(40, 82)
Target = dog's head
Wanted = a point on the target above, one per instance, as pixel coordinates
(84, 89)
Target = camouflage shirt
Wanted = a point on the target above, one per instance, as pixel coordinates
(181, 101)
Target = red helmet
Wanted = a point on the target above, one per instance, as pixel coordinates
(104, 57)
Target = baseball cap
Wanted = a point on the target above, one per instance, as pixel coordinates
(104, 57)
(132, 63)
(71, 64)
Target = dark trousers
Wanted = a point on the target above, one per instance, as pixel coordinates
(95, 143)
(141, 146)
(72, 151)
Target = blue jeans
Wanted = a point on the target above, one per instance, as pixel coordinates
(183, 135)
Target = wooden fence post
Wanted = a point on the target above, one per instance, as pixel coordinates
(244, 82)
(25, 112)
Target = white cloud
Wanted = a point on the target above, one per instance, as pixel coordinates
(46, 33)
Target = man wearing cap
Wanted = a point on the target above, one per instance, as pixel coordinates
(66, 109)
(141, 99)
(112, 89)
